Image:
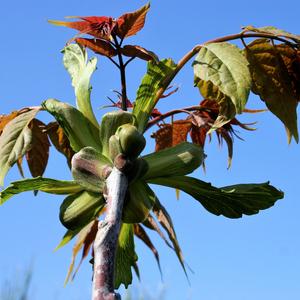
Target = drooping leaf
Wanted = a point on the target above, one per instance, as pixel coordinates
(170, 135)
(153, 81)
(83, 237)
(60, 141)
(140, 52)
(181, 159)
(79, 130)
(272, 82)
(110, 123)
(125, 256)
(47, 185)
(15, 140)
(76, 62)
(68, 236)
(165, 220)
(101, 47)
(223, 75)
(88, 169)
(4, 119)
(273, 31)
(138, 202)
(19, 165)
(38, 154)
(231, 201)
(131, 23)
(79, 209)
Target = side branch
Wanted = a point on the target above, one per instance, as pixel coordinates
(106, 241)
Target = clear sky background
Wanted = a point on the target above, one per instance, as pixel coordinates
(256, 257)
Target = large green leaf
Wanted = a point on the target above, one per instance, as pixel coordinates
(181, 159)
(125, 256)
(272, 82)
(76, 62)
(88, 169)
(79, 130)
(15, 140)
(231, 201)
(47, 185)
(146, 99)
(223, 67)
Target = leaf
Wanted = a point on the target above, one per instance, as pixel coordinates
(154, 80)
(273, 31)
(38, 154)
(224, 69)
(47, 185)
(60, 141)
(68, 236)
(165, 220)
(83, 237)
(125, 256)
(4, 119)
(143, 236)
(19, 165)
(181, 159)
(231, 201)
(89, 169)
(272, 82)
(79, 130)
(15, 140)
(76, 62)
(171, 134)
(131, 23)
(101, 47)
(140, 52)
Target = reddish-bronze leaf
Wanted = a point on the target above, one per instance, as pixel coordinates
(101, 47)
(60, 140)
(171, 134)
(99, 27)
(273, 83)
(131, 23)
(140, 52)
(143, 236)
(37, 156)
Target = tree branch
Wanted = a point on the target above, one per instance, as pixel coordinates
(106, 241)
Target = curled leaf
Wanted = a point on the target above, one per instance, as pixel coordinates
(140, 52)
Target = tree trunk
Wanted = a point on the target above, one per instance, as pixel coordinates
(106, 241)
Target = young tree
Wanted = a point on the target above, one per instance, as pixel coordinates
(111, 177)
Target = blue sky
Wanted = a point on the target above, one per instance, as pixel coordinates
(255, 257)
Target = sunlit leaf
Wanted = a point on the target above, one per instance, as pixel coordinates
(38, 154)
(143, 236)
(15, 140)
(125, 256)
(272, 82)
(47, 185)
(60, 141)
(131, 23)
(220, 68)
(146, 98)
(101, 47)
(68, 236)
(76, 62)
(231, 201)
(273, 31)
(4, 119)
(140, 52)
(79, 130)
(19, 165)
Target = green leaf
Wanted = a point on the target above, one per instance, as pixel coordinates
(225, 69)
(272, 82)
(273, 31)
(15, 140)
(79, 130)
(125, 256)
(146, 99)
(68, 236)
(47, 185)
(76, 62)
(89, 168)
(181, 159)
(77, 210)
(231, 201)
(109, 125)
